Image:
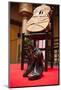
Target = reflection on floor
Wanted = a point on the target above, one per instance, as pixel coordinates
(17, 80)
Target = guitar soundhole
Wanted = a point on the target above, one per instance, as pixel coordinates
(41, 12)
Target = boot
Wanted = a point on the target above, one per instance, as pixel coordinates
(36, 73)
(38, 69)
(35, 68)
(29, 69)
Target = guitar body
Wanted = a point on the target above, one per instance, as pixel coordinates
(40, 20)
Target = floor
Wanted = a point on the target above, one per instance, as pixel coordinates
(16, 78)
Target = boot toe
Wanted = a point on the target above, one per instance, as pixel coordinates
(33, 77)
(25, 74)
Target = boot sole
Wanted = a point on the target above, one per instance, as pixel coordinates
(34, 77)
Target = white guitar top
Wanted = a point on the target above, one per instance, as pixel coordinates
(40, 19)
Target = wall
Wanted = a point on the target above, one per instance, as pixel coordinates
(56, 26)
(14, 42)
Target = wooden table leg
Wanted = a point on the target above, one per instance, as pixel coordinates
(46, 52)
(22, 54)
(52, 42)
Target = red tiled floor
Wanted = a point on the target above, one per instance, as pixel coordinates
(17, 80)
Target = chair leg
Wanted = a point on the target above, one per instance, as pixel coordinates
(22, 54)
(46, 53)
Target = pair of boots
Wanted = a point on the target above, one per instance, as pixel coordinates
(35, 69)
